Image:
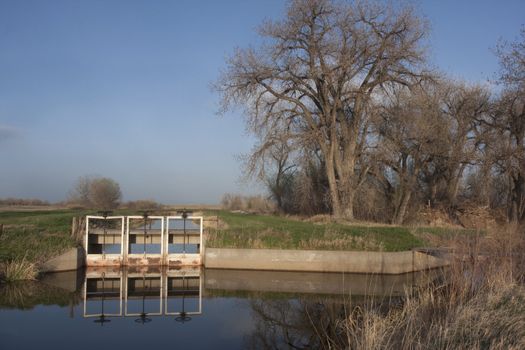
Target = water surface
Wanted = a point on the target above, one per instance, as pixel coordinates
(186, 308)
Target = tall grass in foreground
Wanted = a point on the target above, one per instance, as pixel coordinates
(17, 270)
(480, 304)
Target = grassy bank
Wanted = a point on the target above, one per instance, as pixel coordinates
(36, 235)
(238, 230)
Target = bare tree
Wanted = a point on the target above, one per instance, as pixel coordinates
(509, 148)
(412, 135)
(512, 62)
(316, 75)
(463, 106)
(80, 192)
(105, 193)
(509, 119)
(96, 192)
(279, 182)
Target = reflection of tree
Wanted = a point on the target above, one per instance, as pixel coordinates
(297, 324)
(25, 295)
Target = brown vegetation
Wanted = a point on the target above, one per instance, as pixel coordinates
(142, 204)
(23, 202)
(480, 304)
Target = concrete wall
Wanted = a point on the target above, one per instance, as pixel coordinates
(283, 260)
(321, 261)
(72, 259)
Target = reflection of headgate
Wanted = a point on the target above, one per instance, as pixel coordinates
(145, 289)
(184, 289)
(103, 295)
(142, 294)
(144, 240)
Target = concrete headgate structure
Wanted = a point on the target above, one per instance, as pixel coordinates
(144, 240)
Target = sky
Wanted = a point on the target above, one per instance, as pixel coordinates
(121, 89)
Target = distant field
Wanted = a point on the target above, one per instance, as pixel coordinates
(26, 208)
(265, 231)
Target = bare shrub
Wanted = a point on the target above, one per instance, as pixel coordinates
(142, 204)
(253, 204)
(22, 201)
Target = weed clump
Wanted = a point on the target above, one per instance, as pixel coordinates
(18, 269)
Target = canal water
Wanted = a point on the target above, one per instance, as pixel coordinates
(138, 308)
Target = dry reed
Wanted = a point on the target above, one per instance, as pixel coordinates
(18, 269)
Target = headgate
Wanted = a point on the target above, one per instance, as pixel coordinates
(144, 240)
(104, 241)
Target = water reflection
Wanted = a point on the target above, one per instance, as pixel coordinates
(142, 293)
(296, 324)
(201, 309)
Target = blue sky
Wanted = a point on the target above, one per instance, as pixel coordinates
(122, 89)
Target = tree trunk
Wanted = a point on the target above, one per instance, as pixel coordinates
(453, 186)
(517, 199)
(346, 190)
(433, 192)
(334, 193)
(348, 205)
(401, 210)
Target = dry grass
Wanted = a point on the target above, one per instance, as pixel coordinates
(479, 304)
(332, 240)
(17, 270)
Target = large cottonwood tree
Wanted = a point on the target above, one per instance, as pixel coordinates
(313, 79)
(509, 120)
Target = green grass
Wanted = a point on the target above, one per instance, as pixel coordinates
(37, 235)
(274, 232)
